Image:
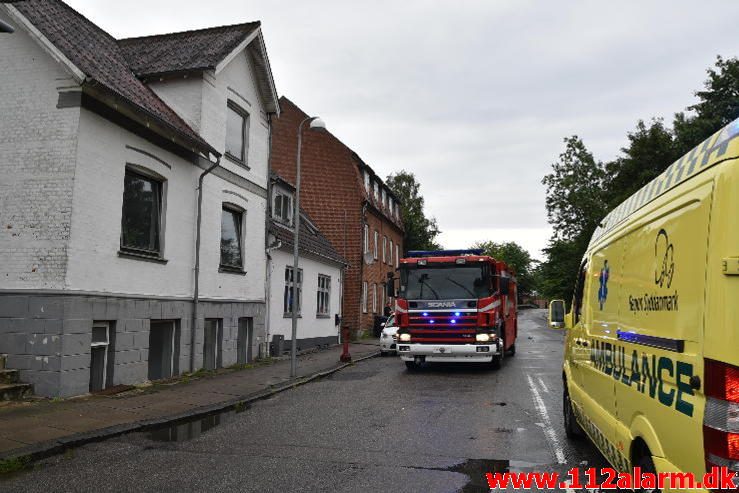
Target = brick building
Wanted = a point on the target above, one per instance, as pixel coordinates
(351, 206)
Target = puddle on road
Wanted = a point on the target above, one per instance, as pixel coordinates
(475, 469)
(190, 429)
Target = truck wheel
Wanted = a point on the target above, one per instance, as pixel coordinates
(496, 363)
(512, 350)
(572, 428)
(411, 365)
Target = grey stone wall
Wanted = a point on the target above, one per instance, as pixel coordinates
(48, 337)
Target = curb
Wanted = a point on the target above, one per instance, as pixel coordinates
(49, 448)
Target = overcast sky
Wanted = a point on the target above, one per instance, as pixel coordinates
(474, 97)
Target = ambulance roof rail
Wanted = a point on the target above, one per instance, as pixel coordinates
(444, 253)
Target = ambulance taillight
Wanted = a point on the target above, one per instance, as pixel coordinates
(721, 420)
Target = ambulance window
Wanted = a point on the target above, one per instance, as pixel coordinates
(579, 290)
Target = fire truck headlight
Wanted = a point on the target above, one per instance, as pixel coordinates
(482, 337)
(405, 337)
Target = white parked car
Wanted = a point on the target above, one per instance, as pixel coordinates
(389, 337)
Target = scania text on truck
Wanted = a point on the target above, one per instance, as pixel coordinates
(454, 306)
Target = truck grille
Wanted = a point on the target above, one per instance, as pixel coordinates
(448, 327)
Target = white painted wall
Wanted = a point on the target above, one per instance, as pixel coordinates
(37, 161)
(309, 325)
(212, 92)
(104, 151)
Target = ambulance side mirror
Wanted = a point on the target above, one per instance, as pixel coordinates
(557, 314)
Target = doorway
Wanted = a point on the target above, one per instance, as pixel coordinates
(244, 340)
(161, 349)
(212, 341)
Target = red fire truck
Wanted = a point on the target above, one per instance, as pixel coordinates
(454, 306)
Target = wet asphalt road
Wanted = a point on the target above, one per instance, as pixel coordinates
(374, 427)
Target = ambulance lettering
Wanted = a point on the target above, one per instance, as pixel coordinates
(646, 373)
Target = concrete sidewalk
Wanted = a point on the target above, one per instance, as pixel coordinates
(47, 427)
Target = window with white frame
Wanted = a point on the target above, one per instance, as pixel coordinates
(323, 298)
(366, 238)
(364, 297)
(288, 295)
(377, 191)
(390, 257)
(367, 181)
(384, 249)
(142, 214)
(377, 235)
(237, 133)
(232, 220)
(397, 256)
(374, 298)
(282, 206)
(384, 197)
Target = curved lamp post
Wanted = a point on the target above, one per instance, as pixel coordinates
(315, 123)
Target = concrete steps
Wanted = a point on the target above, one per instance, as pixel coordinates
(11, 388)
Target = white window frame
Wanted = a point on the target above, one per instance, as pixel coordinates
(323, 294)
(234, 209)
(288, 286)
(376, 190)
(374, 297)
(384, 197)
(364, 297)
(287, 213)
(390, 257)
(245, 130)
(377, 236)
(366, 238)
(384, 249)
(397, 255)
(366, 181)
(106, 345)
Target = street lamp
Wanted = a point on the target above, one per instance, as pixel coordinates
(315, 123)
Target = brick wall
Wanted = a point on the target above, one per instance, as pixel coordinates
(333, 194)
(38, 148)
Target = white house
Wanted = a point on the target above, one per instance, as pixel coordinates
(319, 281)
(103, 144)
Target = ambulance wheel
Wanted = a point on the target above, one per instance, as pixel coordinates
(646, 464)
(572, 428)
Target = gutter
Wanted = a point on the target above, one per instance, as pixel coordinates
(196, 293)
(268, 292)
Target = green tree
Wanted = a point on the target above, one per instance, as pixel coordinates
(516, 257)
(576, 203)
(651, 150)
(420, 231)
(574, 197)
(718, 105)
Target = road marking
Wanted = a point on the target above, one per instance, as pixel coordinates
(548, 430)
(543, 385)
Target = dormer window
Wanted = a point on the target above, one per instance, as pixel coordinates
(282, 209)
(366, 181)
(237, 133)
(384, 197)
(377, 191)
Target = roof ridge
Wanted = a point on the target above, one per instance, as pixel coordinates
(250, 24)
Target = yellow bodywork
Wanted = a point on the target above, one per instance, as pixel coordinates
(659, 294)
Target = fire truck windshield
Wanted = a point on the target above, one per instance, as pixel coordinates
(443, 282)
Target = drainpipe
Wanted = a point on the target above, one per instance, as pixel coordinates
(268, 293)
(196, 294)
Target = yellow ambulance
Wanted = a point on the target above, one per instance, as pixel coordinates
(651, 366)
